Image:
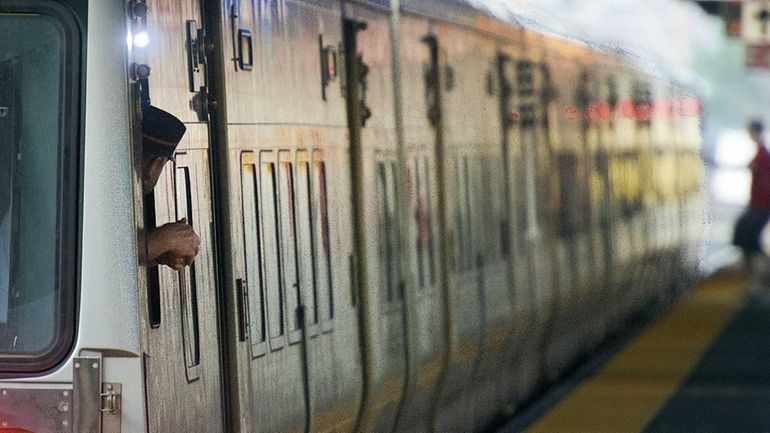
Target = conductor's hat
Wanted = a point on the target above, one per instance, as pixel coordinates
(161, 132)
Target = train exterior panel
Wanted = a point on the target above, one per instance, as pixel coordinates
(413, 215)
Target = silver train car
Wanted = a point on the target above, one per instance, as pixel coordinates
(413, 216)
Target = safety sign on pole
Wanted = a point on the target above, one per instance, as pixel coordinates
(755, 25)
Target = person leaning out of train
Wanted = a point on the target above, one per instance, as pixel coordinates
(174, 244)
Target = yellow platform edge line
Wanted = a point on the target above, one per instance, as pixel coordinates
(625, 395)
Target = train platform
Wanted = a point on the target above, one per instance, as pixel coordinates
(703, 367)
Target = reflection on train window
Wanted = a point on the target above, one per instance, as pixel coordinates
(305, 248)
(252, 244)
(271, 254)
(323, 270)
(288, 246)
(388, 252)
(37, 206)
(188, 284)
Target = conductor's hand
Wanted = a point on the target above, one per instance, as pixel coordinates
(174, 244)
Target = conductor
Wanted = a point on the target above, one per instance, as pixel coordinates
(173, 244)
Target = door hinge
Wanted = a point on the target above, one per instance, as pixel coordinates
(95, 405)
(110, 398)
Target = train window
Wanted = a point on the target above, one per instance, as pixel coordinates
(271, 256)
(38, 184)
(413, 198)
(188, 286)
(305, 242)
(323, 270)
(429, 222)
(252, 244)
(603, 170)
(489, 205)
(568, 175)
(520, 197)
(421, 211)
(288, 243)
(464, 250)
(388, 252)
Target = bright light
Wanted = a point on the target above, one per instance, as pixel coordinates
(731, 186)
(129, 39)
(734, 148)
(141, 39)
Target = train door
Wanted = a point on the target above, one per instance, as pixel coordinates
(293, 334)
(534, 106)
(378, 196)
(180, 337)
(608, 101)
(585, 146)
(577, 227)
(423, 245)
(516, 88)
(515, 207)
(474, 75)
(462, 149)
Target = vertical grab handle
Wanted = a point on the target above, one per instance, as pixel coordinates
(245, 50)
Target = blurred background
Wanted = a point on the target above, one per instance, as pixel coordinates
(699, 45)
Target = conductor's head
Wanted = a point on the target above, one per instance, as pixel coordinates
(161, 134)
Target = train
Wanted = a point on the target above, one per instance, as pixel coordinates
(414, 215)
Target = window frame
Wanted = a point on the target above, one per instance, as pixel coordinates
(390, 271)
(271, 250)
(188, 286)
(306, 248)
(287, 230)
(69, 194)
(322, 241)
(256, 296)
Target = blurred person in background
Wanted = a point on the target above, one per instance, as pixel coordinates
(748, 228)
